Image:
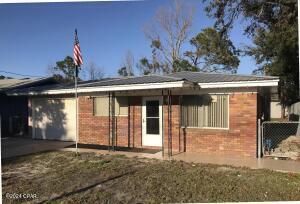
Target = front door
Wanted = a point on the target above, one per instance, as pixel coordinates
(152, 121)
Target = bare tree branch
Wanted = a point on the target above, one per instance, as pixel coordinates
(170, 29)
(94, 72)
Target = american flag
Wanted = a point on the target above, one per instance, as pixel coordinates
(77, 53)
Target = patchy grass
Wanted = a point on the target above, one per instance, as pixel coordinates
(57, 177)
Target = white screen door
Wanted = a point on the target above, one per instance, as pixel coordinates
(152, 121)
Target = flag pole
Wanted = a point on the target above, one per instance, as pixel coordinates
(78, 61)
(76, 99)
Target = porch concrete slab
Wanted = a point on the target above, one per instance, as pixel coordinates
(15, 146)
(253, 163)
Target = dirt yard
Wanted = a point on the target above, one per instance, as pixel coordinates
(63, 177)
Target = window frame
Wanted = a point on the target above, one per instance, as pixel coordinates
(207, 128)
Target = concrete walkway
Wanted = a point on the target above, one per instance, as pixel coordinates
(11, 147)
(253, 163)
(14, 146)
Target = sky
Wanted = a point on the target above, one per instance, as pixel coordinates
(34, 36)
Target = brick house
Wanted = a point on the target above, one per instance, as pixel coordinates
(180, 112)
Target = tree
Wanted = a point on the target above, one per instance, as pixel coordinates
(64, 70)
(127, 65)
(272, 24)
(168, 32)
(2, 77)
(184, 65)
(123, 72)
(146, 67)
(214, 51)
(94, 72)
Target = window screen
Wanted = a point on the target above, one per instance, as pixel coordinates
(205, 111)
(121, 105)
(101, 106)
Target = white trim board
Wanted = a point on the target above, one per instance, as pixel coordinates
(262, 83)
(147, 86)
(156, 86)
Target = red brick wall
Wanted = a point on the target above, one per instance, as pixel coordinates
(95, 129)
(238, 140)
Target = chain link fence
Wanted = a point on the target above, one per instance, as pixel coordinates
(281, 138)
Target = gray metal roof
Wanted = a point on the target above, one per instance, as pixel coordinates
(200, 77)
(7, 84)
(133, 80)
(56, 86)
(100, 83)
(192, 77)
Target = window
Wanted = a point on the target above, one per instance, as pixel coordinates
(101, 106)
(121, 106)
(205, 111)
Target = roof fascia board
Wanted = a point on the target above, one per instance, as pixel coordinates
(263, 83)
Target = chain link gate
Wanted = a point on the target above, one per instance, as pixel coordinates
(280, 138)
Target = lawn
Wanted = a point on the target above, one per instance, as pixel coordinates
(63, 177)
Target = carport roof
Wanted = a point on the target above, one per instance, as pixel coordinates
(9, 84)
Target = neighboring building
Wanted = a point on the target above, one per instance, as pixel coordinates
(275, 106)
(185, 111)
(14, 109)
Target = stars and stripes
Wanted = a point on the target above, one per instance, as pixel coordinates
(77, 53)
